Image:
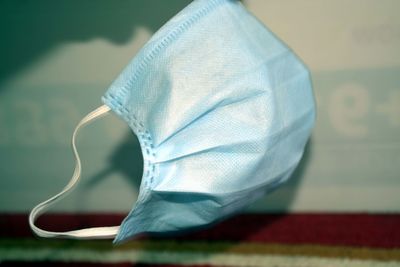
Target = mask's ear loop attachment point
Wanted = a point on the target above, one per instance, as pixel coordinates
(88, 233)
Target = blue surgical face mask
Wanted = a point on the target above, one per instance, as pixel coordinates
(222, 109)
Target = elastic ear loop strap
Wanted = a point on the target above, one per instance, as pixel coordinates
(87, 233)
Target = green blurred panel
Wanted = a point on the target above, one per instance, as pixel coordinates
(358, 106)
(355, 145)
(357, 137)
(352, 161)
(57, 59)
(36, 159)
(55, 69)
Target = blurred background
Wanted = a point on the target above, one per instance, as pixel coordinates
(341, 207)
(57, 58)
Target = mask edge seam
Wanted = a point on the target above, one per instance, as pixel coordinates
(164, 42)
(149, 168)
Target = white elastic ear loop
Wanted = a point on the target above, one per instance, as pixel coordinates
(88, 233)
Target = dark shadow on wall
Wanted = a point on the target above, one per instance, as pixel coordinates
(126, 160)
(29, 29)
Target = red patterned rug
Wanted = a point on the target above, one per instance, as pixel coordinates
(290, 240)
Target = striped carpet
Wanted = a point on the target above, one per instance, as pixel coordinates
(298, 240)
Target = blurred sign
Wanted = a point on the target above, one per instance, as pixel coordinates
(352, 162)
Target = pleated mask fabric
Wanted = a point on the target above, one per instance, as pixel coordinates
(222, 109)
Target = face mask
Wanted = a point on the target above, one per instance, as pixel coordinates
(222, 110)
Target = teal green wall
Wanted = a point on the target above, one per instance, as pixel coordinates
(58, 58)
